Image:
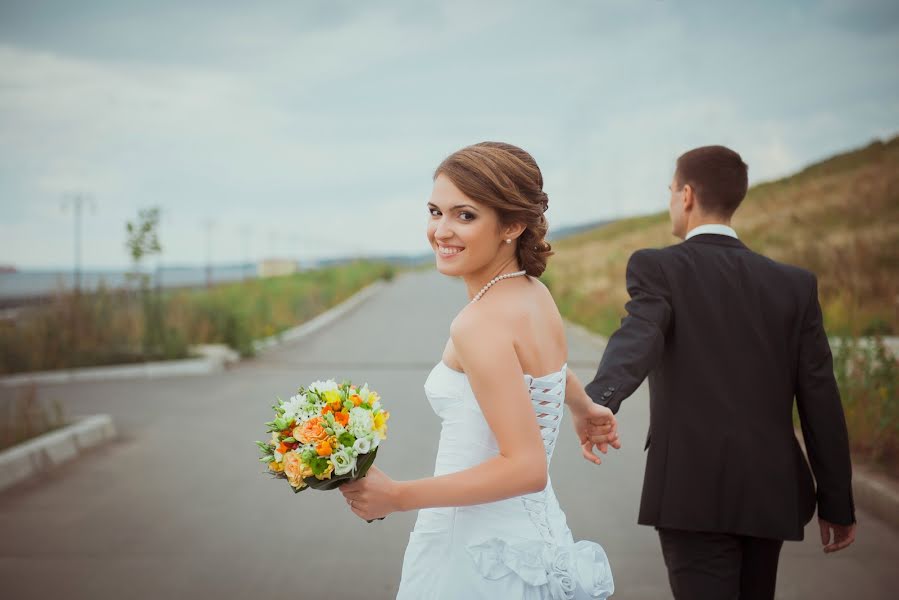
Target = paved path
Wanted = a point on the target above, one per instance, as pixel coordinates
(179, 507)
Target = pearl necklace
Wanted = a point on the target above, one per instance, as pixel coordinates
(492, 281)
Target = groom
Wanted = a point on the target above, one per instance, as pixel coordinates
(728, 338)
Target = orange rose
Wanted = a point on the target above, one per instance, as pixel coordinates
(357, 399)
(342, 418)
(310, 431)
(323, 448)
(293, 467)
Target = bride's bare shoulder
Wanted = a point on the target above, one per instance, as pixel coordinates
(502, 310)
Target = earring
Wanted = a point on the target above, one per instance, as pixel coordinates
(508, 241)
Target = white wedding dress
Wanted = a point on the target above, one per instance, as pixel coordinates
(519, 548)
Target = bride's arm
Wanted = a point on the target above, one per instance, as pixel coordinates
(486, 350)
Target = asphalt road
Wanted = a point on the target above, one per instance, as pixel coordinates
(179, 507)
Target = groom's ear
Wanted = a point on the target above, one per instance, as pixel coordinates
(689, 198)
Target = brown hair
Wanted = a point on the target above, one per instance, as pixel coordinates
(508, 180)
(718, 176)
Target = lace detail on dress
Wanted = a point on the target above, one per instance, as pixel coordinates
(548, 397)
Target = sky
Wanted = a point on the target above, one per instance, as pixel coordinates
(312, 129)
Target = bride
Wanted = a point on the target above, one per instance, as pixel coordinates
(489, 524)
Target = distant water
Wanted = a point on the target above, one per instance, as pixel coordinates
(35, 283)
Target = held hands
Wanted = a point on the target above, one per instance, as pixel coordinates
(843, 535)
(374, 496)
(596, 427)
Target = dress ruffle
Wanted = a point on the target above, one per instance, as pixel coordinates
(569, 572)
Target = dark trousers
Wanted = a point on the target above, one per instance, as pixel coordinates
(720, 566)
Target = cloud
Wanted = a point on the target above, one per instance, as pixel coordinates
(317, 125)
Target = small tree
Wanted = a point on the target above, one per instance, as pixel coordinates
(142, 241)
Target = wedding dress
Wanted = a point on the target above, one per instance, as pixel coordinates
(519, 548)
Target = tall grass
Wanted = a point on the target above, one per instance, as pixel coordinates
(868, 375)
(115, 326)
(23, 417)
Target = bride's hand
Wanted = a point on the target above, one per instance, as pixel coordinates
(374, 496)
(595, 426)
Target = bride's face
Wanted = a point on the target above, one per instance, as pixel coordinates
(464, 234)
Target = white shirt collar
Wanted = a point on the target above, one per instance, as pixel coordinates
(715, 228)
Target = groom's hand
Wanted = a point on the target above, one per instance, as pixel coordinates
(596, 429)
(843, 535)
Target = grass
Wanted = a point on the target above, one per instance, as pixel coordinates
(118, 326)
(25, 417)
(868, 376)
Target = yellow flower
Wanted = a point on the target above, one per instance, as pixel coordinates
(276, 466)
(380, 424)
(332, 397)
(373, 397)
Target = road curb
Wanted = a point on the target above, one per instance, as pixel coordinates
(215, 357)
(45, 452)
(876, 493)
(322, 320)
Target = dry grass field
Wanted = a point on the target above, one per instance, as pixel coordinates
(838, 218)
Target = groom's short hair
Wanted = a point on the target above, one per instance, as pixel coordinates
(718, 176)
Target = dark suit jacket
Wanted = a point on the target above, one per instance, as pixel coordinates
(728, 339)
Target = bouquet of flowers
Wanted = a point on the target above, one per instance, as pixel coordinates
(325, 435)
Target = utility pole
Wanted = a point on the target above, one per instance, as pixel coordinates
(294, 249)
(245, 232)
(208, 225)
(77, 202)
(273, 237)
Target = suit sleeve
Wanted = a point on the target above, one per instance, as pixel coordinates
(822, 420)
(636, 347)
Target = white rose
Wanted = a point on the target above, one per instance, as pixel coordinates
(362, 446)
(343, 462)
